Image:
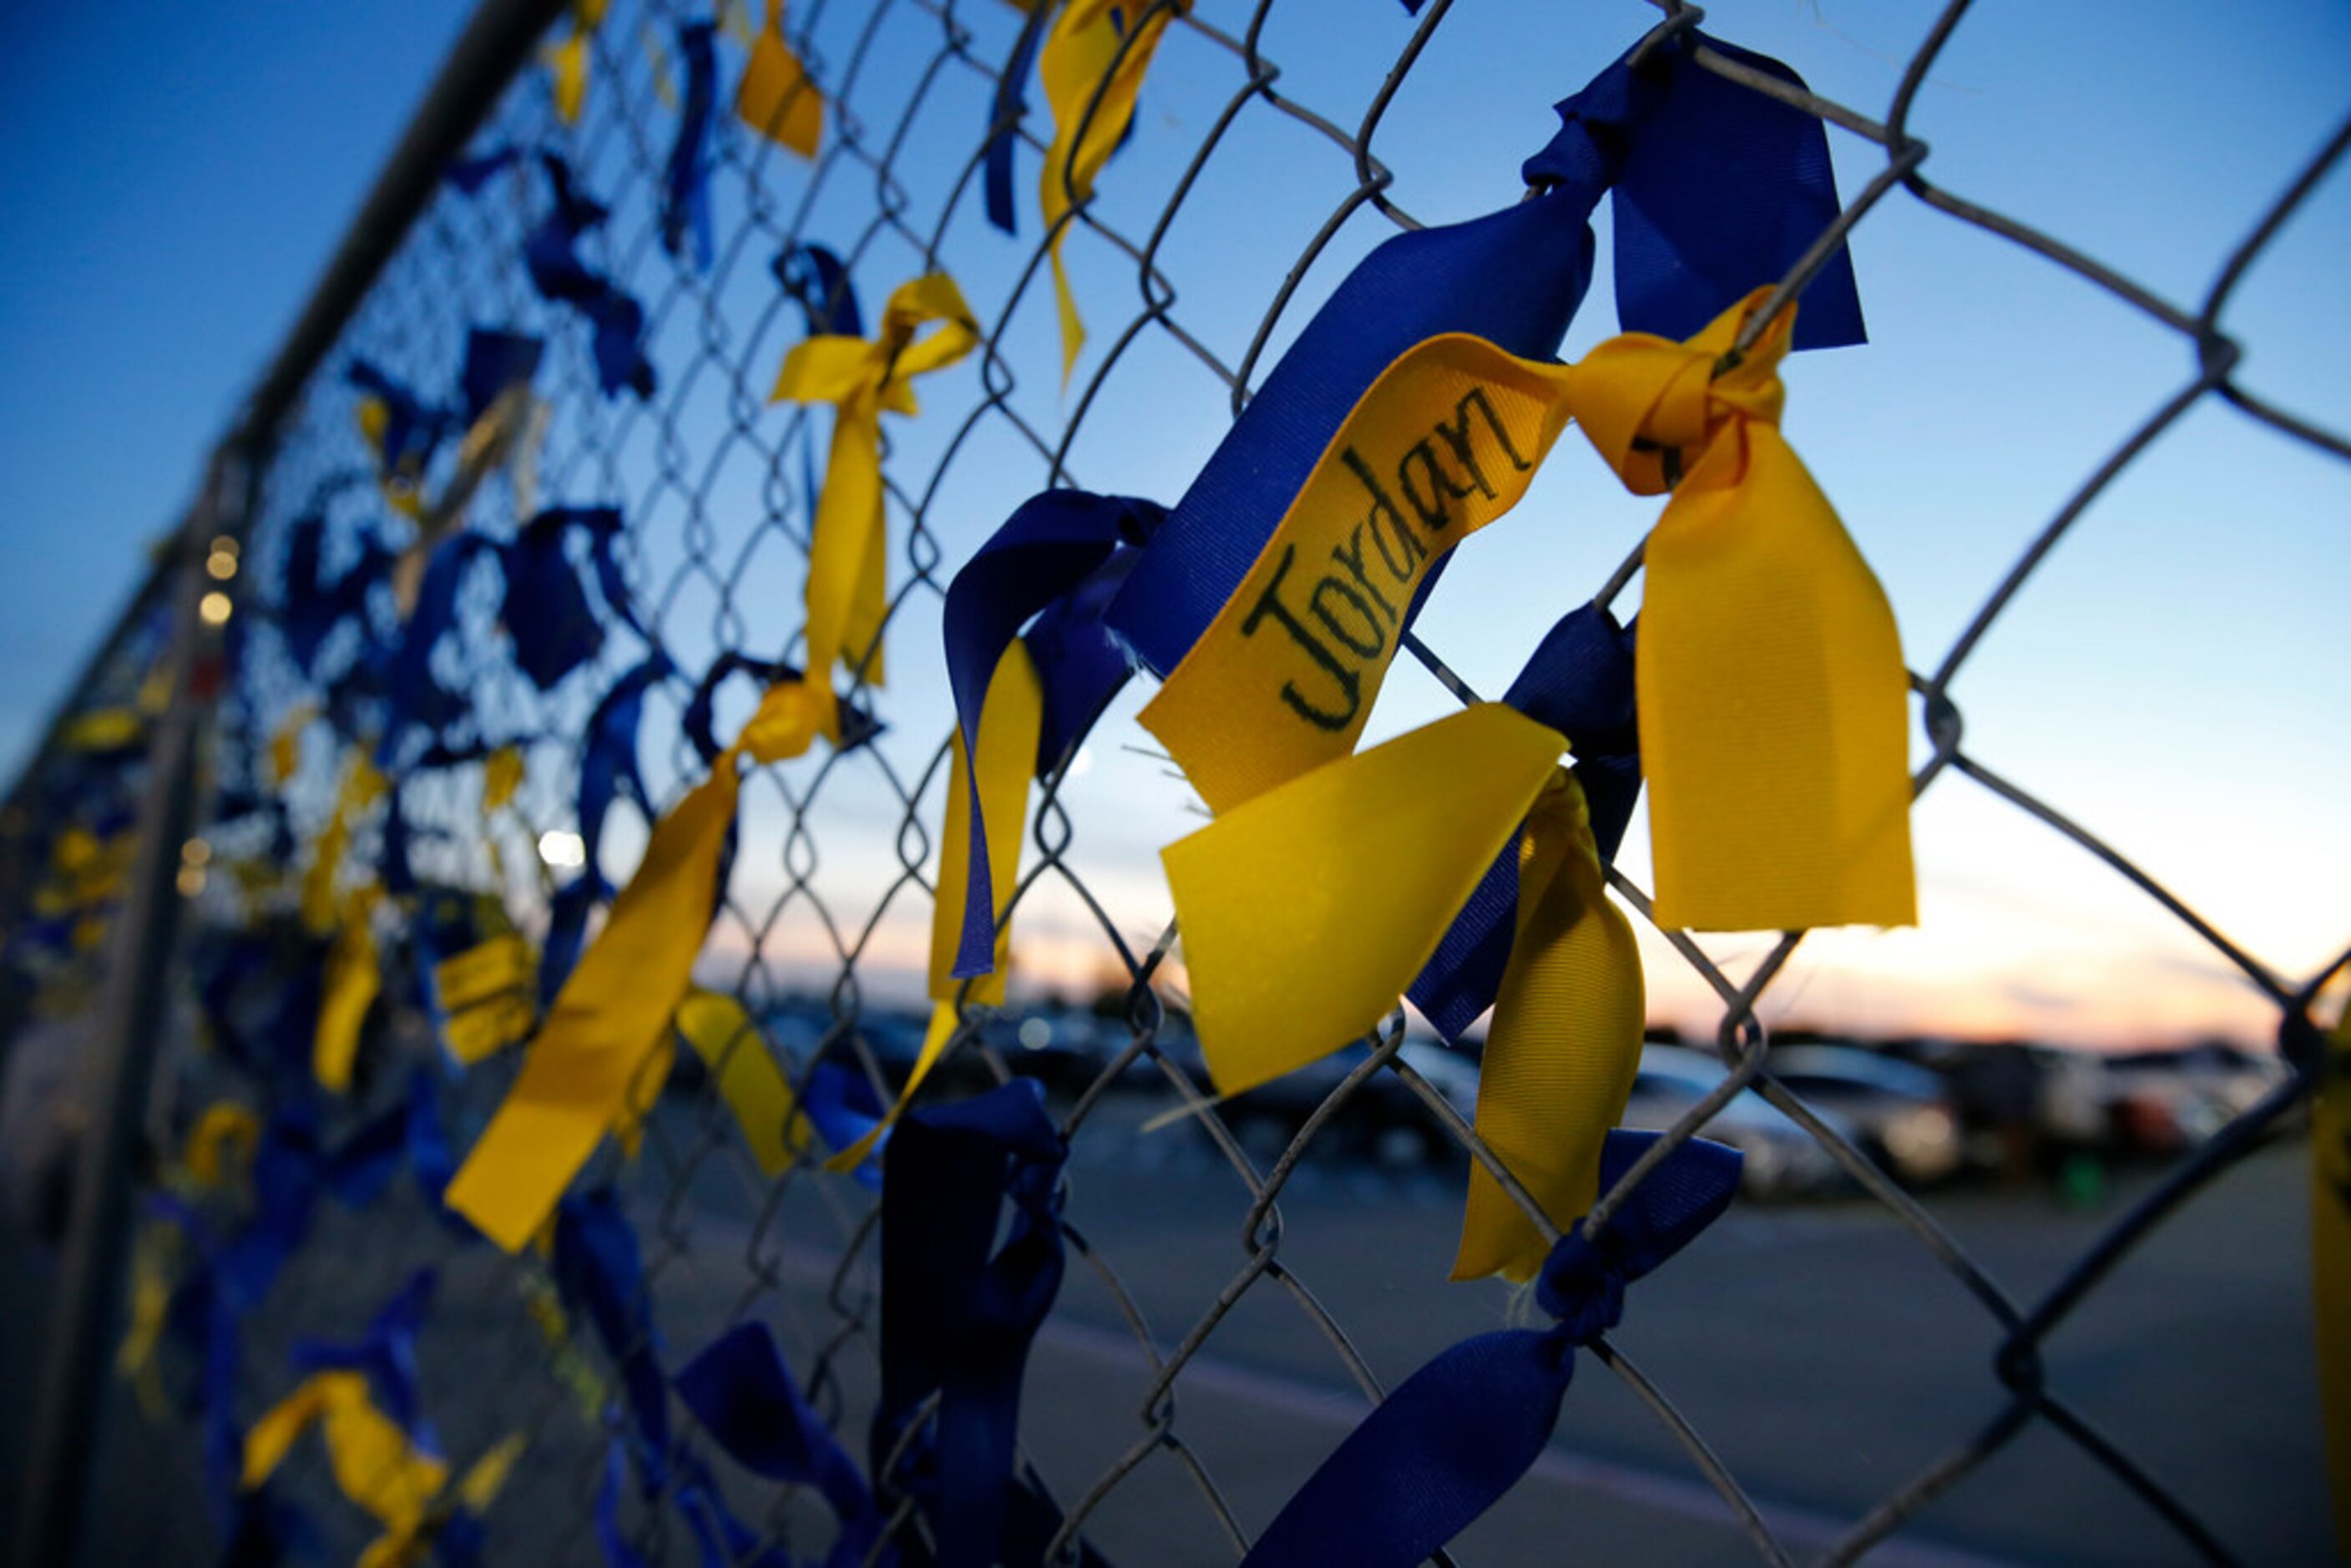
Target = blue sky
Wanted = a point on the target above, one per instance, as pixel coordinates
(2171, 677)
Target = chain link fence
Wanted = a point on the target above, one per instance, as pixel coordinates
(1210, 1346)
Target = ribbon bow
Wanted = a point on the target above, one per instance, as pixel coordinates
(1093, 68)
(1457, 1435)
(957, 1321)
(614, 1010)
(1770, 676)
(847, 592)
(1725, 187)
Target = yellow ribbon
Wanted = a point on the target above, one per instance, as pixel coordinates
(1010, 715)
(847, 591)
(221, 1144)
(1564, 1045)
(403, 486)
(285, 745)
(748, 1080)
(1770, 674)
(354, 974)
(776, 97)
(1300, 909)
(374, 1464)
(1308, 910)
(102, 730)
(2330, 1258)
(362, 786)
(568, 59)
(151, 1304)
(1088, 49)
(485, 994)
(614, 1010)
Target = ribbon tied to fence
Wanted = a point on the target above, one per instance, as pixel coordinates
(1457, 1433)
(847, 595)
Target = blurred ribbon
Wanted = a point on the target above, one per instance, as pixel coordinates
(546, 611)
(551, 257)
(1769, 667)
(775, 97)
(362, 787)
(403, 429)
(385, 1354)
(686, 180)
(1009, 109)
(841, 1104)
(569, 58)
(375, 1463)
(415, 700)
(746, 1399)
(819, 281)
(220, 1146)
(723, 1035)
(1093, 67)
(309, 607)
(607, 767)
(601, 1276)
(1447, 1443)
(485, 996)
(955, 1321)
(353, 977)
(615, 1008)
(1725, 188)
(847, 595)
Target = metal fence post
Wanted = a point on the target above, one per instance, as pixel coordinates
(121, 1066)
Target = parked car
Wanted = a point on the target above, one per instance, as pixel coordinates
(1902, 1115)
(1783, 1160)
(2164, 1101)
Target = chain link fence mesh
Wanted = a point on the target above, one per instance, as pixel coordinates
(1143, 1421)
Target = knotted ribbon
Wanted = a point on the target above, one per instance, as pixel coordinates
(1447, 1443)
(385, 1354)
(775, 97)
(1770, 668)
(847, 594)
(1728, 187)
(615, 1008)
(746, 1399)
(957, 1321)
(375, 1463)
(1093, 67)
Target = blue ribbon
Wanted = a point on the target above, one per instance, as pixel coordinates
(386, 1354)
(817, 279)
(1723, 189)
(746, 1399)
(1578, 681)
(844, 1105)
(618, 1552)
(496, 360)
(607, 768)
(685, 182)
(1445, 1447)
(957, 1321)
(1005, 114)
(1041, 557)
(599, 1275)
(309, 605)
(722, 1539)
(547, 613)
(414, 697)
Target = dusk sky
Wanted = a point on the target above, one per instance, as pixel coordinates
(2172, 677)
